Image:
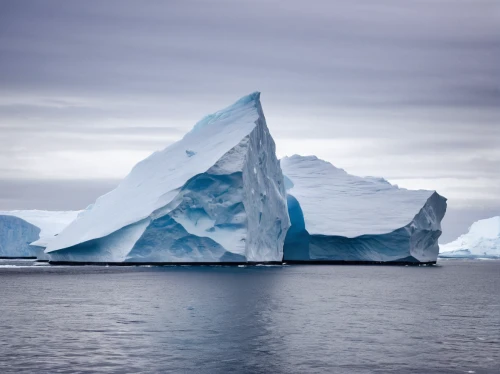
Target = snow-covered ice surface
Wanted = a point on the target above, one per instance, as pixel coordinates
(217, 195)
(336, 216)
(24, 233)
(481, 241)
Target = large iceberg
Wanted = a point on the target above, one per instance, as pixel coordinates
(481, 241)
(24, 233)
(338, 217)
(217, 195)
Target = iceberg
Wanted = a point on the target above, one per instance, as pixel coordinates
(481, 241)
(216, 195)
(338, 217)
(25, 233)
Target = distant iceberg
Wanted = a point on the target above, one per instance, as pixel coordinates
(481, 241)
(217, 195)
(340, 217)
(24, 233)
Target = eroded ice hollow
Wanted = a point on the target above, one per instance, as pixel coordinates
(217, 195)
(25, 233)
(336, 216)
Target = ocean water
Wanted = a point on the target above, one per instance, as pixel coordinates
(261, 319)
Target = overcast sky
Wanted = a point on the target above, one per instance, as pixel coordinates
(407, 90)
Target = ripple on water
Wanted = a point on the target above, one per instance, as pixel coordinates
(293, 319)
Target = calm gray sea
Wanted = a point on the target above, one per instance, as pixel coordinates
(262, 319)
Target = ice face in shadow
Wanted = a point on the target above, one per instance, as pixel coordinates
(24, 233)
(16, 235)
(215, 195)
(481, 241)
(336, 216)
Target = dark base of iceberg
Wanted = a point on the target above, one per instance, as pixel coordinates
(18, 258)
(402, 262)
(229, 263)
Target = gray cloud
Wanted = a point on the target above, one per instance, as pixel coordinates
(407, 90)
(360, 53)
(52, 194)
(457, 221)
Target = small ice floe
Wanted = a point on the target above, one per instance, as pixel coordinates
(272, 265)
(5, 266)
(18, 259)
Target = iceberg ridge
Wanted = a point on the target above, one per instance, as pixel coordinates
(336, 216)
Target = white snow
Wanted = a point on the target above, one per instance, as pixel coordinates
(337, 203)
(482, 239)
(199, 189)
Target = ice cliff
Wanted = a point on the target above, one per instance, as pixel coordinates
(336, 216)
(217, 195)
(481, 241)
(24, 233)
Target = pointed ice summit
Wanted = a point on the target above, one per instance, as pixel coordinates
(24, 233)
(336, 216)
(217, 195)
(481, 241)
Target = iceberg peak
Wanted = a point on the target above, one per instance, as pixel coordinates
(232, 111)
(216, 195)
